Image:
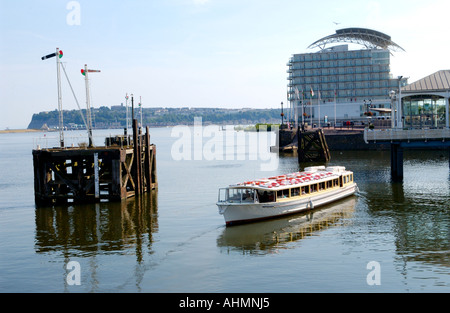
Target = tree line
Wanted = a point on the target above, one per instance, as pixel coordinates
(105, 117)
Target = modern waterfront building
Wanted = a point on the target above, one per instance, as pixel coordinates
(425, 103)
(338, 84)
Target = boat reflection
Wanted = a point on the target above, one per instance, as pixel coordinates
(106, 227)
(269, 236)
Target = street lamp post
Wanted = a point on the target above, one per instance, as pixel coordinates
(400, 109)
(393, 109)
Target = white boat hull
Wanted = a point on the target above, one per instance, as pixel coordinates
(238, 213)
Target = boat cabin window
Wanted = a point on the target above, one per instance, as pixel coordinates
(305, 190)
(281, 194)
(238, 195)
(266, 196)
(234, 195)
(336, 182)
(248, 195)
(347, 178)
(321, 186)
(223, 194)
(313, 188)
(295, 192)
(329, 184)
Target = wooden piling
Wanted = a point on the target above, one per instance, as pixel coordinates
(137, 163)
(150, 163)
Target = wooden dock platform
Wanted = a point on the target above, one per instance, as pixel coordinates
(93, 174)
(399, 139)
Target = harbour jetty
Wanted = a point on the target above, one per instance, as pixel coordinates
(121, 169)
(394, 140)
(337, 139)
(399, 139)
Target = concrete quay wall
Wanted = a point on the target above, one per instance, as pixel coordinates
(336, 140)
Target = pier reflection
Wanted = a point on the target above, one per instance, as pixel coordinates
(421, 224)
(269, 236)
(105, 227)
(416, 212)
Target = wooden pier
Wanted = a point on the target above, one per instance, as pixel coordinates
(399, 139)
(93, 174)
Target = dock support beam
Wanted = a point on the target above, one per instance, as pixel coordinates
(312, 146)
(396, 162)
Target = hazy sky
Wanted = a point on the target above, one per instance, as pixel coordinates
(195, 53)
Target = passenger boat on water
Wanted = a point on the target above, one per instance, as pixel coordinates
(285, 194)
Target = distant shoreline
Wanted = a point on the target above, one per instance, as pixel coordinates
(9, 131)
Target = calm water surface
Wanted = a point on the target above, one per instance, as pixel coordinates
(175, 240)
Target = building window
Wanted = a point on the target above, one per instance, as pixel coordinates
(424, 111)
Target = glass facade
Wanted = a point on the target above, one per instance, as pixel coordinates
(342, 76)
(423, 111)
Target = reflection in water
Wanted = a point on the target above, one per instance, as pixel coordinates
(268, 236)
(416, 211)
(422, 225)
(106, 227)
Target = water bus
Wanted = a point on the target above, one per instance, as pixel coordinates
(285, 194)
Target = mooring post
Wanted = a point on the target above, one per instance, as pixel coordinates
(396, 161)
(140, 150)
(136, 160)
(148, 161)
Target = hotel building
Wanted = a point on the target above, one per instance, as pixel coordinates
(338, 84)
